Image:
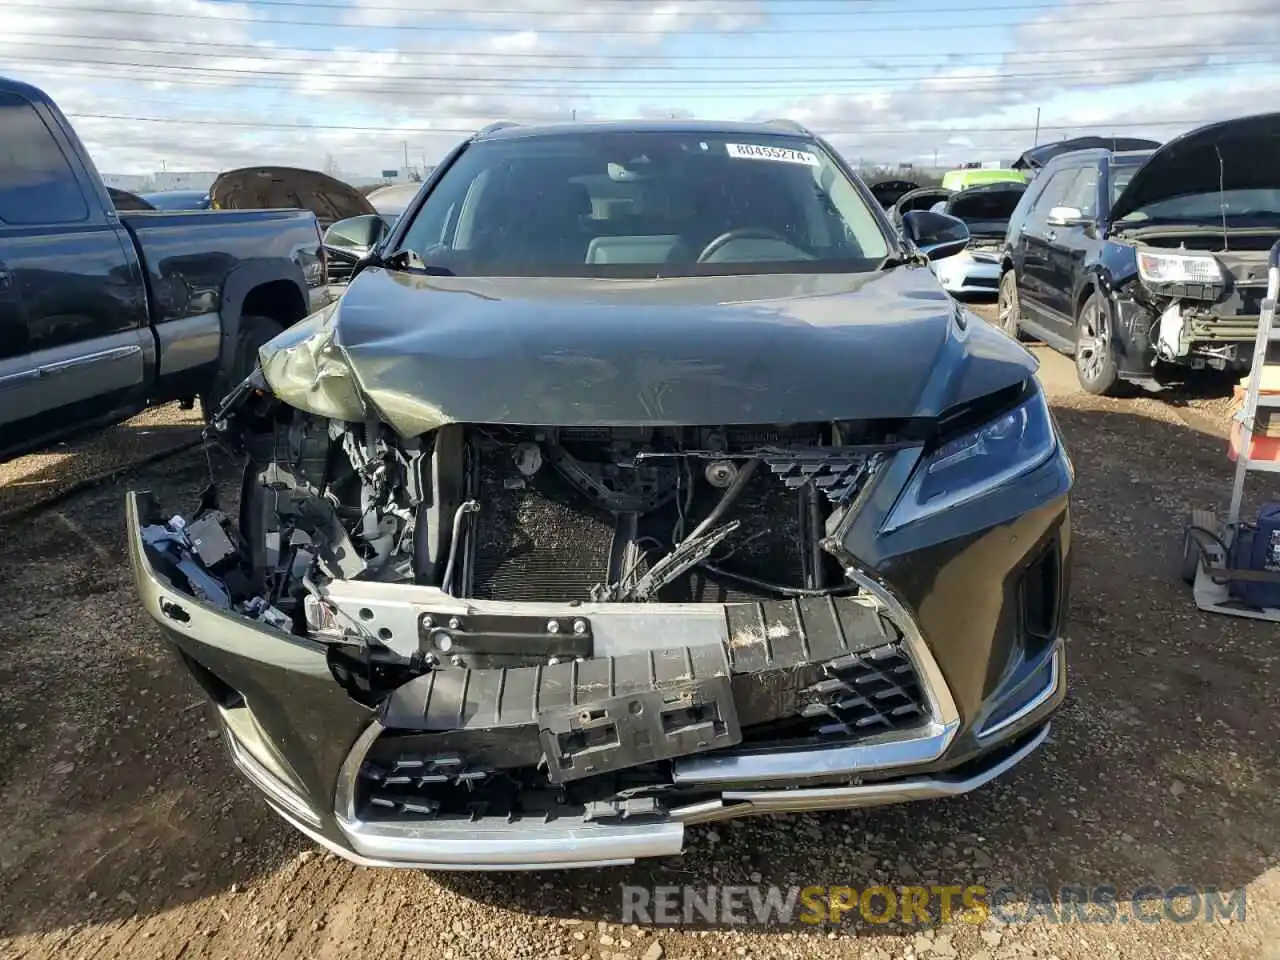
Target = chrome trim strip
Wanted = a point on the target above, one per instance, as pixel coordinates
(72, 363)
(922, 745)
(878, 794)
(12, 379)
(788, 766)
(341, 851)
(732, 805)
(1057, 667)
(278, 793)
(501, 846)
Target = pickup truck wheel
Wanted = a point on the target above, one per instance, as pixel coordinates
(1008, 308)
(254, 332)
(1095, 358)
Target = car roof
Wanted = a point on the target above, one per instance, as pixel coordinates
(1131, 156)
(710, 127)
(26, 90)
(1118, 157)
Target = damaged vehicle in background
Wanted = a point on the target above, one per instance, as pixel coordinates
(921, 198)
(293, 188)
(1033, 160)
(985, 210)
(178, 199)
(349, 241)
(643, 477)
(1140, 264)
(889, 192)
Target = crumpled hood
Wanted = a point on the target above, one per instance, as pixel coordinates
(424, 351)
(1237, 154)
(273, 188)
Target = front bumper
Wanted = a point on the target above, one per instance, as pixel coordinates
(303, 741)
(972, 273)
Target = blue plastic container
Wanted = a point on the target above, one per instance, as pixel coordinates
(1259, 549)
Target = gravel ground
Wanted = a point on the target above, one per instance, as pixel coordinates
(128, 835)
(49, 473)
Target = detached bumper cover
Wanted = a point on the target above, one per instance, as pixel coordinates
(301, 739)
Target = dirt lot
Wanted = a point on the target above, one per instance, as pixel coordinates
(129, 836)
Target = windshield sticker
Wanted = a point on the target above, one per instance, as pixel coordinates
(752, 151)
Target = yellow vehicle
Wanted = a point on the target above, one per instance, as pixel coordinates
(973, 176)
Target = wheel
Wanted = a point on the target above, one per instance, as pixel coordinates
(1008, 309)
(1095, 359)
(254, 332)
(1190, 557)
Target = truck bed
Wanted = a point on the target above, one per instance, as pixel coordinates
(195, 261)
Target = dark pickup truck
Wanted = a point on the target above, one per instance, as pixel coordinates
(104, 312)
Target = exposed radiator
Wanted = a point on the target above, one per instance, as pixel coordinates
(542, 542)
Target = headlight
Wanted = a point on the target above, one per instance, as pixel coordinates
(1177, 268)
(1009, 446)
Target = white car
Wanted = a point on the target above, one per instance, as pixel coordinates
(972, 272)
(986, 209)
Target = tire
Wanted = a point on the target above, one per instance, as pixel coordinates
(1008, 306)
(254, 332)
(1094, 354)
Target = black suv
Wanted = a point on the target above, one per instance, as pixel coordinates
(1136, 262)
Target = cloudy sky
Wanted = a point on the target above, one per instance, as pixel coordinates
(208, 84)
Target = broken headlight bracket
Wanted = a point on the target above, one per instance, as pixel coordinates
(486, 641)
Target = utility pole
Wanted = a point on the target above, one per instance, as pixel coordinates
(406, 158)
(1036, 142)
(573, 114)
(935, 158)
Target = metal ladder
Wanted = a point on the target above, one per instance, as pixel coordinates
(1207, 544)
(1253, 398)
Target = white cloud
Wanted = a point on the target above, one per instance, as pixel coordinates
(1084, 63)
(594, 18)
(1109, 67)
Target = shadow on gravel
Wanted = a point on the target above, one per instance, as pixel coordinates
(53, 471)
(118, 797)
(1162, 767)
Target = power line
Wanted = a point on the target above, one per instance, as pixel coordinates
(670, 12)
(547, 87)
(398, 132)
(250, 51)
(274, 56)
(603, 31)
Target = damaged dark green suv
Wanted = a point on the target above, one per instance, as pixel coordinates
(643, 477)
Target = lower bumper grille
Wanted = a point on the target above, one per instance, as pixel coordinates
(866, 692)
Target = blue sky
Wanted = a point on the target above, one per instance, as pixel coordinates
(206, 84)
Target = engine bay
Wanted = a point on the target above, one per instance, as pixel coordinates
(578, 517)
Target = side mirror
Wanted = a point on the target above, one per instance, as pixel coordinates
(936, 235)
(1066, 217)
(352, 240)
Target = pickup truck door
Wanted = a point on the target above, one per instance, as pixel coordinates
(74, 338)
